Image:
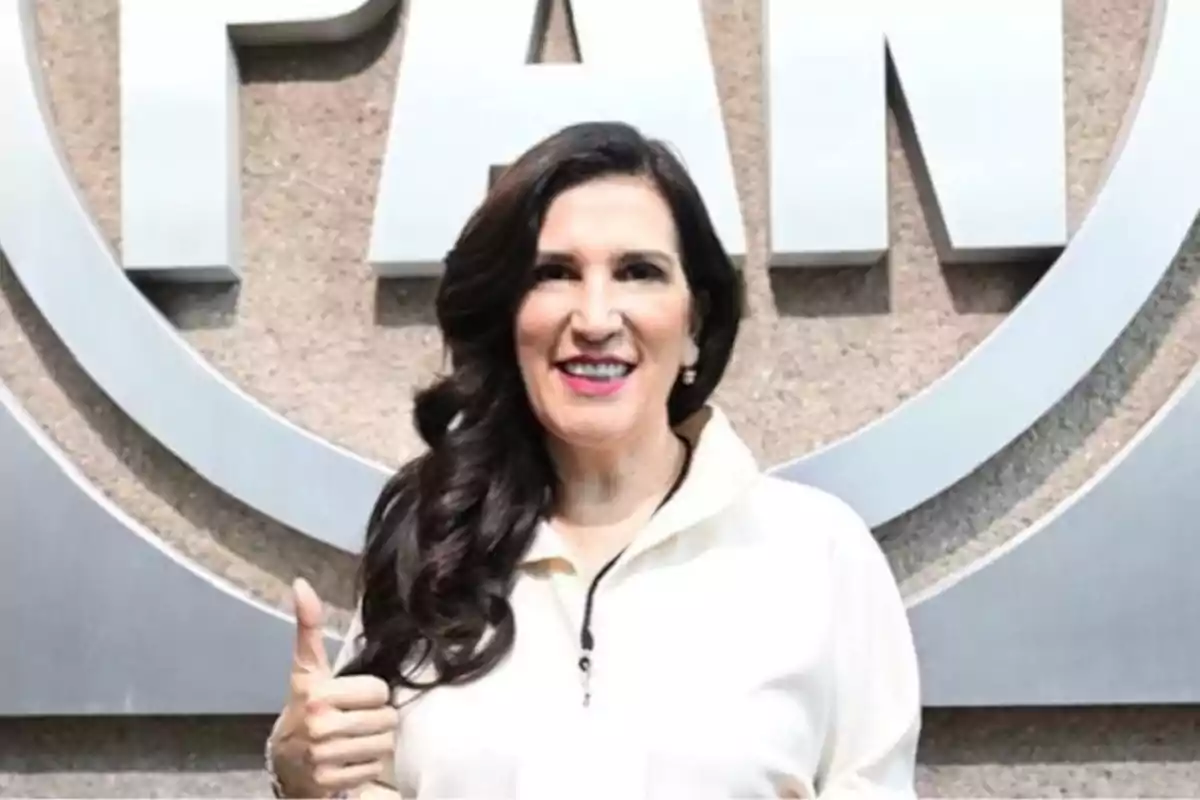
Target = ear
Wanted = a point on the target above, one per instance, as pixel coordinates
(691, 352)
(691, 348)
(699, 309)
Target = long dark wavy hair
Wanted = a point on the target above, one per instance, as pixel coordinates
(450, 527)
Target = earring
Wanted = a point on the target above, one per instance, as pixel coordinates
(688, 376)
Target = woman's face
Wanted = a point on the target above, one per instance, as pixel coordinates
(604, 331)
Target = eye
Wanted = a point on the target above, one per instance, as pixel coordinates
(551, 271)
(641, 270)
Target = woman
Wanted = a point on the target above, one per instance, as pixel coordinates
(586, 586)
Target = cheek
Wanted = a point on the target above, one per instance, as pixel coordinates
(534, 333)
(663, 329)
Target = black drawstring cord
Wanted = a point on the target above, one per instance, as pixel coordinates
(587, 642)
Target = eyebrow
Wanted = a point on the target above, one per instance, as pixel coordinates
(649, 255)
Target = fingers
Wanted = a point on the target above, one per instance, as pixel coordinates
(349, 693)
(347, 749)
(343, 729)
(353, 750)
(310, 654)
(330, 725)
(334, 778)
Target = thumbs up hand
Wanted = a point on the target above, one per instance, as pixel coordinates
(335, 733)
(310, 657)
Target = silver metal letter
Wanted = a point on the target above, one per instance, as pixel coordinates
(463, 109)
(180, 187)
(982, 86)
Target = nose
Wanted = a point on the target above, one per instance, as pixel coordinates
(596, 317)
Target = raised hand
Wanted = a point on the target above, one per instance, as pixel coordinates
(335, 734)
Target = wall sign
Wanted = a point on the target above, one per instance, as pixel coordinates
(991, 138)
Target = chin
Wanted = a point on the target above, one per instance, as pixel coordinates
(593, 427)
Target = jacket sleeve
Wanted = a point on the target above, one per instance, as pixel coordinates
(875, 720)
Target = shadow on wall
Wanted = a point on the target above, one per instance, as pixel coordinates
(1084, 752)
(1015, 736)
(989, 495)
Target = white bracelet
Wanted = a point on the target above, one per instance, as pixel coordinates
(269, 759)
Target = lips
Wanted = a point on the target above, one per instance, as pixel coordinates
(596, 369)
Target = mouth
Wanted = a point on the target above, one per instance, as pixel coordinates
(594, 375)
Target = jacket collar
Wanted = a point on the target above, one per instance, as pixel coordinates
(723, 468)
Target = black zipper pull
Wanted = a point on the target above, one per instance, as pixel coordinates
(587, 642)
(585, 676)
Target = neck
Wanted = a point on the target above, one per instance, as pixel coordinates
(610, 484)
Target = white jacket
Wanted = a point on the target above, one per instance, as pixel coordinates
(751, 642)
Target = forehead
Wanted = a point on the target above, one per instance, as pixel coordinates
(609, 214)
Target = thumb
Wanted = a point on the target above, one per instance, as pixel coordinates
(310, 655)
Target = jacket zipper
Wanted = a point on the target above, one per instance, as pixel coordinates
(587, 641)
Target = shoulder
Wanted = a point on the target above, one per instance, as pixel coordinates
(802, 500)
(793, 509)
(795, 516)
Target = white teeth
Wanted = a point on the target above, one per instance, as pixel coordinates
(604, 371)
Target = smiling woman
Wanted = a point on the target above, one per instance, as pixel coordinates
(609, 316)
(566, 593)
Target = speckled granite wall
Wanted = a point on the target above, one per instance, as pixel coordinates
(316, 337)
(1147, 753)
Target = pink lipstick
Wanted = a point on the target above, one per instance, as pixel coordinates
(590, 376)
